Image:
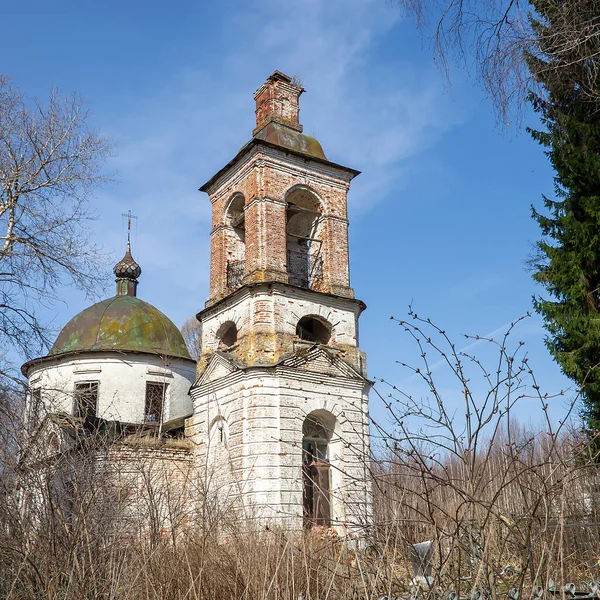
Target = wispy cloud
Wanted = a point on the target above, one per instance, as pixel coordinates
(372, 113)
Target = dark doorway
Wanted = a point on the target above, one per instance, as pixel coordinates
(316, 473)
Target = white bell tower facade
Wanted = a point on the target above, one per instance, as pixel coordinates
(280, 423)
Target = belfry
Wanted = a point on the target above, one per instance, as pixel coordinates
(280, 424)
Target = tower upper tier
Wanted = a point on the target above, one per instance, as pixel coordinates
(279, 207)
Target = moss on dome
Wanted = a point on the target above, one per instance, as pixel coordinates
(122, 323)
(283, 136)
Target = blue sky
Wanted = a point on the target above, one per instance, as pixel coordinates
(440, 216)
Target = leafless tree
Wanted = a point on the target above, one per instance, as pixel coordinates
(50, 162)
(191, 334)
(107, 513)
(456, 467)
(496, 38)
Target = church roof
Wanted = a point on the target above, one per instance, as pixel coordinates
(287, 138)
(121, 323)
(127, 267)
(256, 141)
(277, 126)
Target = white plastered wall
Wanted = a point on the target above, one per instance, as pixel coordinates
(287, 307)
(260, 464)
(121, 378)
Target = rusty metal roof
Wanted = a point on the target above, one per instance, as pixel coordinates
(258, 141)
(280, 135)
(127, 268)
(121, 323)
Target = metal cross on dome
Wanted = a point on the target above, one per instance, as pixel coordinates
(129, 217)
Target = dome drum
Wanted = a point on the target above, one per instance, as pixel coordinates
(124, 386)
(118, 360)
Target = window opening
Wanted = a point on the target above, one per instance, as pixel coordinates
(316, 267)
(313, 329)
(86, 400)
(36, 407)
(227, 334)
(304, 260)
(218, 434)
(316, 473)
(236, 269)
(235, 242)
(155, 399)
(298, 259)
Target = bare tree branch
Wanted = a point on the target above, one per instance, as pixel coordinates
(192, 336)
(493, 38)
(50, 163)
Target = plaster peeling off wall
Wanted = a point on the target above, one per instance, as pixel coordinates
(121, 381)
(264, 410)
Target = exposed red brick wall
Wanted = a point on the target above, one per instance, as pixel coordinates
(264, 176)
(277, 100)
(269, 175)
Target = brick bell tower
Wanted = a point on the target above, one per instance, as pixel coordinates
(280, 419)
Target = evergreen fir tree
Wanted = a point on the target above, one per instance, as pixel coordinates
(568, 265)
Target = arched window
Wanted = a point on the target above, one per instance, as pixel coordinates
(235, 241)
(219, 433)
(314, 329)
(227, 334)
(304, 257)
(316, 435)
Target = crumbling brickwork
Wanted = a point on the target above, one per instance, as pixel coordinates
(277, 100)
(280, 331)
(266, 317)
(151, 488)
(265, 178)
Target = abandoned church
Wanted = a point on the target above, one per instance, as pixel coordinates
(271, 421)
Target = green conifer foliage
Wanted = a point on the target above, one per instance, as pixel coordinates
(568, 261)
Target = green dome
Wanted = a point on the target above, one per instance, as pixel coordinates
(121, 323)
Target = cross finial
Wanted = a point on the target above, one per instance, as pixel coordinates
(127, 270)
(129, 217)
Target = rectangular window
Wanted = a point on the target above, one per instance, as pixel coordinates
(35, 410)
(86, 400)
(155, 399)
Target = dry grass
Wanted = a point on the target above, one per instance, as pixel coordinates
(505, 507)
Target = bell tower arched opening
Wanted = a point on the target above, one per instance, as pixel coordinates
(317, 430)
(234, 219)
(303, 238)
(313, 329)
